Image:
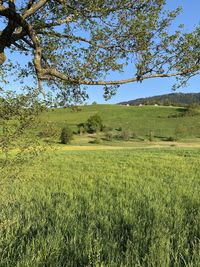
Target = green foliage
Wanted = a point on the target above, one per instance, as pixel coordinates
(119, 129)
(81, 130)
(108, 136)
(189, 111)
(98, 139)
(49, 131)
(125, 135)
(94, 123)
(66, 135)
(106, 129)
(18, 113)
(103, 208)
(192, 110)
(142, 31)
(171, 139)
(108, 133)
(151, 135)
(19, 146)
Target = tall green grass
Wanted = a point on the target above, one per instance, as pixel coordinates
(103, 208)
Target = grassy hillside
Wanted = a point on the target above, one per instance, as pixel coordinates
(168, 99)
(163, 121)
(103, 208)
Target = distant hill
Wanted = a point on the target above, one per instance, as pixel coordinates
(163, 121)
(168, 99)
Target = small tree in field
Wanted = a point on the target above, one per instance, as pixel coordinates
(94, 124)
(66, 135)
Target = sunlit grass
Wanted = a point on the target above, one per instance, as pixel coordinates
(103, 208)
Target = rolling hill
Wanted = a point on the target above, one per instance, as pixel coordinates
(168, 99)
(163, 121)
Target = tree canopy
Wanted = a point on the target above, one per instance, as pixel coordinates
(73, 43)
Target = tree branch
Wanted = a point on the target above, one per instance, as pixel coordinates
(34, 8)
(48, 73)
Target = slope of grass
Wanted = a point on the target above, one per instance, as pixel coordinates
(139, 120)
(103, 208)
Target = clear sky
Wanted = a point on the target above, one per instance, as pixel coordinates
(190, 17)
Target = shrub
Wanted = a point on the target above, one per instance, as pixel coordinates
(134, 135)
(108, 136)
(125, 135)
(151, 136)
(66, 135)
(192, 110)
(119, 129)
(50, 130)
(176, 115)
(189, 111)
(98, 139)
(171, 139)
(94, 124)
(106, 129)
(82, 128)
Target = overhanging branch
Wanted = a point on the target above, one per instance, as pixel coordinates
(48, 73)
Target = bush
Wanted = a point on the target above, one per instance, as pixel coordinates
(66, 135)
(106, 129)
(108, 136)
(125, 135)
(134, 135)
(94, 124)
(98, 139)
(171, 139)
(50, 130)
(151, 136)
(119, 129)
(82, 128)
(192, 110)
(189, 111)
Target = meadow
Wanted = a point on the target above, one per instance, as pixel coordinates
(163, 121)
(118, 203)
(120, 207)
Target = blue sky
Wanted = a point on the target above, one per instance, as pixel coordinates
(189, 17)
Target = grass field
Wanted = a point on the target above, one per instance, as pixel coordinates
(128, 207)
(139, 120)
(118, 203)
